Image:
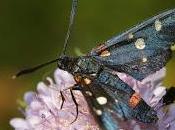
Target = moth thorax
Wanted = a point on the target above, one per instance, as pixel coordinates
(82, 80)
(87, 66)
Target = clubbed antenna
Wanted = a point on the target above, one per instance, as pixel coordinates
(71, 21)
(33, 69)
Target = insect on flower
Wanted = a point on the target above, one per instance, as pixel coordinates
(138, 52)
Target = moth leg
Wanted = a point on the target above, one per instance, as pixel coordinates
(63, 99)
(77, 88)
(62, 96)
(76, 105)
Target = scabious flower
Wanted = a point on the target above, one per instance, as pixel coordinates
(44, 107)
(44, 110)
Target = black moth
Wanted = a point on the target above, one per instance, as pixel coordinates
(139, 52)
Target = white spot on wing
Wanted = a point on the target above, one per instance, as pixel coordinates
(140, 44)
(144, 59)
(116, 100)
(158, 25)
(173, 47)
(130, 36)
(101, 100)
(93, 74)
(98, 112)
(88, 93)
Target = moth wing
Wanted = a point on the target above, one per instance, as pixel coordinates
(111, 113)
(141, 50)
(106, 115)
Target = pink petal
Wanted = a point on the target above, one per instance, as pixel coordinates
(19, 123)
(43, 89)
(29, 97)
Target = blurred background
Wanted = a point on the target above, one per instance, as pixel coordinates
(33, 31)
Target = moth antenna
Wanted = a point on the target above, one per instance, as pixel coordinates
(33, 69)
(71, 21)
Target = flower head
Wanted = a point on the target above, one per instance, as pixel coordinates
(46, 109)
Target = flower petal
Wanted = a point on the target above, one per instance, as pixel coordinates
(63, 78)
(42, 89)
(29, 97)
(19, 123)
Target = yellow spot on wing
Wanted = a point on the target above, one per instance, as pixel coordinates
(87, 81)
(130, 36)
(173, 47)
(105, 53)
(158, 25)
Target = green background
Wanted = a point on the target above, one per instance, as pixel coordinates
(33, 31)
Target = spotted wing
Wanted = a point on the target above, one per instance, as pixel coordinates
(142, 50)
(112, 111)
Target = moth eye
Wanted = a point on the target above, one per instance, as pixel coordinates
(105, 53)
(140, 43)
(158, 25)
(101, 100)
(87, 81)
(130, 36)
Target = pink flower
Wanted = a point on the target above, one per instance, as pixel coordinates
(43, 110)
(166, 116)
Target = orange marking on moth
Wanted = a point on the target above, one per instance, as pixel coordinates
(105, 53)
(78, 79)
(134, 100)
(87, 81)
(100, 48)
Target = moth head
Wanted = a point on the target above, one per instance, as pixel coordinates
(66, 63)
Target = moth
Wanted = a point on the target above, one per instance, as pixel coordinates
(138, 52)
